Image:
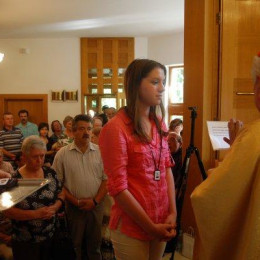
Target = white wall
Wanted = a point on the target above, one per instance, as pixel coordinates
(167, 49)
(52, 64)
(141, 45)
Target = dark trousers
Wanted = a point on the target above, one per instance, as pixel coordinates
(85, 227)
(32, 251)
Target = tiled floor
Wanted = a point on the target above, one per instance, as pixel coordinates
(177, 256)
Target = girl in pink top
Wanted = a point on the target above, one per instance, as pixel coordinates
(137, 161)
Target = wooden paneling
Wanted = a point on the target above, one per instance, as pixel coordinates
(217, 69)
(104, 53)
(240, 41)
(201, 74)
(36, 104)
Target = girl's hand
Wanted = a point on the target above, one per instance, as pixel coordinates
(171, 219)
(164, 232)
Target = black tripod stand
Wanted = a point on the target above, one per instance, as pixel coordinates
(180, 193)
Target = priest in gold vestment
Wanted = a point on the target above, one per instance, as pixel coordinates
(227, 204)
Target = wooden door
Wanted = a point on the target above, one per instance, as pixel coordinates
(240, 42)
(35, 104)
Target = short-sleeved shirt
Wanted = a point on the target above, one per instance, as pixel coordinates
(11, 141)
(29, 129)
(38, 230)
(82, 173)
(131, 165)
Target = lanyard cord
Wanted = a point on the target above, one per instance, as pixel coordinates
(157, 167)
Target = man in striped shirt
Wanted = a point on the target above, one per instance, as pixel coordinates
(11, 139)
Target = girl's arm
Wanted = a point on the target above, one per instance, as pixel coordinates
(171, 197)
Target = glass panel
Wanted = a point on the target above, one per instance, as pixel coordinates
(120, 88)
(121, 72)
(176, 116)
(92, 73)
(107, 88)
(111, 102)
(92, 88)
(94, 103)
(85, 104)
(107, 91)
(176, 85)
(94, 91)
(107, 73)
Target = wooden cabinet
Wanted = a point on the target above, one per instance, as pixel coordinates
(103, 62)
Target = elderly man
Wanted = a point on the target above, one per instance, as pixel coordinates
(26, 127)
(11, 139)
(226, 204)
(80, 166)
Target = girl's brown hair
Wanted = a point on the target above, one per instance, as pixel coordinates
(135, 72)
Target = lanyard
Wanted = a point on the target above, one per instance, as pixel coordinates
(157, 167)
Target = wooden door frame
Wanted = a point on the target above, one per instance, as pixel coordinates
(41, 97)
(201, 88)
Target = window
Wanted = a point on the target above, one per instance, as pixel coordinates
(175, 92)
(176, 77)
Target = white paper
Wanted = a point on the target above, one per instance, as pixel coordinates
(217, 131)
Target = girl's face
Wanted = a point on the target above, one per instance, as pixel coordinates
(152, 88)
(44, 131)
